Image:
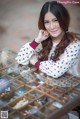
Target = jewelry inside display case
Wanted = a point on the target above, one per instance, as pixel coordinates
(26, 93)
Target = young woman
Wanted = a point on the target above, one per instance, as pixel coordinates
(55, 50)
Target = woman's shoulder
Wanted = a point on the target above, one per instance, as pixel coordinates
(76, 40)
(74, 45)
(74, 37)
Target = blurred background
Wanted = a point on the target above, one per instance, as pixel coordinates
(19, 18)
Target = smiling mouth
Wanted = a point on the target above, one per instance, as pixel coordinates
(54, 31)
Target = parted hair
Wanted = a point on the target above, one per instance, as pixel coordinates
(63, 18)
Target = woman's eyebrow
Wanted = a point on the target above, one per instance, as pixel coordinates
(49, 20)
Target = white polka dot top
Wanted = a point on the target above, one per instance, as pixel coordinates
(66, 61)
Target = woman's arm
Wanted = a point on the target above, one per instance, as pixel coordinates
(30, 49)
(26, 52)
(65, 62)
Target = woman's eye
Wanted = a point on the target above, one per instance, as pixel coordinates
(46, 22)
(55, 20)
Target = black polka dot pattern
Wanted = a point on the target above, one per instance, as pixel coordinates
(66, 61)
(26, 53)
(54, 69)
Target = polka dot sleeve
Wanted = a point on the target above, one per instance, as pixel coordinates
(66, 61)
(26, 53)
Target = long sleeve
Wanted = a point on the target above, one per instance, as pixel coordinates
(26, 52)
(66, 61)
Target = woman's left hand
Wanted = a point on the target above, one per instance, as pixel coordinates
(33, 59)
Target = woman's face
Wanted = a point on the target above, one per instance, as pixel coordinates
(52, 25)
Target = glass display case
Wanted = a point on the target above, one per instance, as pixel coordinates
(26, 93)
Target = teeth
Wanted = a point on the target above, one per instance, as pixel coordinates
(53, 31)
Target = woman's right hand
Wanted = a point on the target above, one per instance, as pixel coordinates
(43, 35)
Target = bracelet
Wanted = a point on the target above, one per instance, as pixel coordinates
(37, 64)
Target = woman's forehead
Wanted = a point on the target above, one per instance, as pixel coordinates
(49, 16)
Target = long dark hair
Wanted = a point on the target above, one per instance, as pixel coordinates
(63, 18)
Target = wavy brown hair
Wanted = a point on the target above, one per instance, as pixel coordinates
(63, 18)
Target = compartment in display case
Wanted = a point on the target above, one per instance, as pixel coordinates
(20, 103)
(33, 84)
(4, 84)
(22, 90)
(45, 88)
(29, 111)
(57, 92)
(73, 94)
(16, 115)
(15, 70)
(66, 81)
(9, 86)
(34, 94)
(77, 87)
(8, 91)
(2, 103)
(42, 101)
(20, 116)
(5, 65)
(27, 78)
(11, 71)
(48, 110)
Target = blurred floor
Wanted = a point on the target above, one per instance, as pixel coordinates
(18, 21)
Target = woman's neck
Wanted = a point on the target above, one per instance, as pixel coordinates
(58, 39)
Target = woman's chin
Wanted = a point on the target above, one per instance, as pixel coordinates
(54, 35)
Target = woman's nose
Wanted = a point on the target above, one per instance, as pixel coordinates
(52, 25)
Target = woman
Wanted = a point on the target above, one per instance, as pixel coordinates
(55, 50)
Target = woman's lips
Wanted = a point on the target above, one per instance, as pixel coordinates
(54, 31)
